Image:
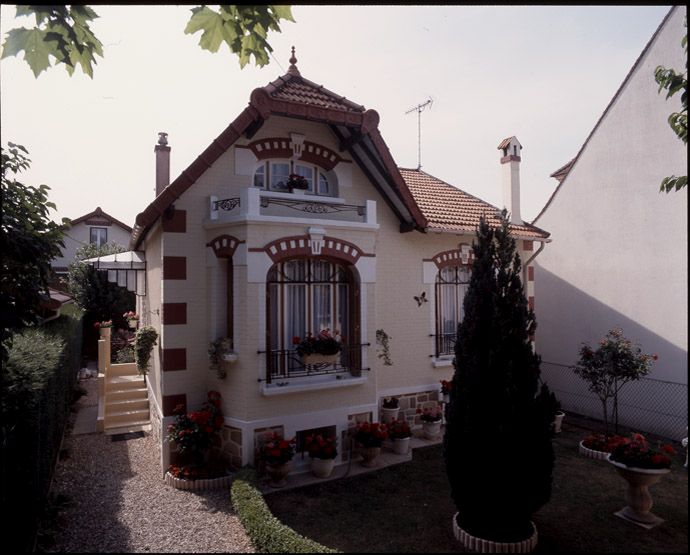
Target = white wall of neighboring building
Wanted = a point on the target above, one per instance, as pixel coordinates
(619, 251)
(80, 234)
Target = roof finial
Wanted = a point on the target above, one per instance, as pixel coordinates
(293, 68)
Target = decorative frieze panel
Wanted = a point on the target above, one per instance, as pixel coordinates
(461, 256)
(313, 244)
(296, 148)
(224, 246)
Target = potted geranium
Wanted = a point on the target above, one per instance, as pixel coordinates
(276, 453)
(324, 348)
(132, 318)
(641, 465)
(297, 182)
(598, 446)
(399, 431)
(370, 437)
(431, 420)
(104, 327)
(323, 451)
(446, 386)
(193, 435)
(390, 409)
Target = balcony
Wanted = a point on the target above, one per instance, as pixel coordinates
(255, 204)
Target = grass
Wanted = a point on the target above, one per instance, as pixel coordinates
(407, 508)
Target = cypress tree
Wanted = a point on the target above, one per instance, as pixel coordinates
(497, 444)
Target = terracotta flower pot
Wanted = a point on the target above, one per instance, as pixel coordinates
(638, 497)
(369, 456)
(278, 474)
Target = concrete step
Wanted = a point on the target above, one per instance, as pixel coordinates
(120, 405)
(138, 393)
(124, 382)
(126, 417)
(143, 426)
(128, 369)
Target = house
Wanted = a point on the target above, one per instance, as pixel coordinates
(619, 255)
(98, 228)
(367, 249)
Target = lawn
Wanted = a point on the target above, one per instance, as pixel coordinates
(407, 508)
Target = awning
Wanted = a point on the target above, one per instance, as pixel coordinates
(127, 269)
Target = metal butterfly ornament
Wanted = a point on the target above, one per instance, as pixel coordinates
(421, 299)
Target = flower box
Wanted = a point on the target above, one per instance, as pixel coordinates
(317, 358)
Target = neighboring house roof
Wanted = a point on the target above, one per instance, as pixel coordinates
(294, 96)
(562, 173)
(447, 208)
(99, 217)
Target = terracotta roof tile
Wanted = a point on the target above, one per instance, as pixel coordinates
(448, 208)
(295, 88)
(561, 172)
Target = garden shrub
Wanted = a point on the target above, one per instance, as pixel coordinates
(37, 389)
(267, 533)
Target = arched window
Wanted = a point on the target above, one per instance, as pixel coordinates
(307, 295)
(451, 287)
(273, 175)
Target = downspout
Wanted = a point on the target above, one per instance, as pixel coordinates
(527, 263)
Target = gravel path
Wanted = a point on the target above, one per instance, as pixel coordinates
(118, 502)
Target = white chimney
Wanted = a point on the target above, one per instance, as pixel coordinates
(162, 151)
(510, 160)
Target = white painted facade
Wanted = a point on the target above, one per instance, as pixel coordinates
(619, 251)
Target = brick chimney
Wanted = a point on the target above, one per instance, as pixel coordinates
(510, 160)
(162, 151)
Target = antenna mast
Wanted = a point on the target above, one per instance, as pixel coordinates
(419, 109)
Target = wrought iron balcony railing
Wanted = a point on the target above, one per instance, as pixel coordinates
(445, 344)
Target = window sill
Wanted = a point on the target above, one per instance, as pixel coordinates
(442, 361)
(298, 385)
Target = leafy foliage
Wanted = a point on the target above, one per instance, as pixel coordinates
(99, 298)
(62, 34)
(494, 412)
(144, 340)
(29, 241)
(609, 367)
(673, 82)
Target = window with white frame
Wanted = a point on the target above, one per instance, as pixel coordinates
(305, 296)
(273, 175)
(99, 236)
(451, 286)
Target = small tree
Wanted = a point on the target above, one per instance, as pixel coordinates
(497, 444)
(28, 242)
(609, 367)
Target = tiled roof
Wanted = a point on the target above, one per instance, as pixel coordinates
(448, 208)
(295, 88)
(561, 172)
(504, 143)
(98, 213)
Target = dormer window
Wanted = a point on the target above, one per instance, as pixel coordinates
(273, 175)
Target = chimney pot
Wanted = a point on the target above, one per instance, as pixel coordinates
(511, 177)
(162, 151)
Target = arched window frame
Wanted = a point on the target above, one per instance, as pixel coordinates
(321, 181)
(452, 283)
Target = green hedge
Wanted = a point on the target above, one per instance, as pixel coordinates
(268, 534)
(37, 389)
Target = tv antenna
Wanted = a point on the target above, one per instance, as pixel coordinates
(419, 109)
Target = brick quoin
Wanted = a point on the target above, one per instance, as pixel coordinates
(176, 222)
(174, 267)
(171, 401)
(174, 313)
(174, 359)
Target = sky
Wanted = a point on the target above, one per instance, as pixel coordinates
(542, 73)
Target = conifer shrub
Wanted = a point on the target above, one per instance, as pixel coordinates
(497, 444)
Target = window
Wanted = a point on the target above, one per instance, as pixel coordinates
(306, 296)
(451, 286)
(99, 236)
(273, 175)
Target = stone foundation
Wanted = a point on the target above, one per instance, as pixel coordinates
(409, 403)
(231, 445)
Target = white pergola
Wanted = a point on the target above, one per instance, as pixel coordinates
(127, 269)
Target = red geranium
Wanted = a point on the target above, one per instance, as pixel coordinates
(274, 449)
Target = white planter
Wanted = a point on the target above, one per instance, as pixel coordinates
(388, 415)
(229, 357)
(592, 453)
(432, 430)
(401, 446)
(481, 545)
(446, 397)
(557, 421)
(322, 468)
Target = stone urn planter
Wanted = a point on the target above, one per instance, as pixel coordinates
(638, 497)
(322, 468)
(401, 446)
(277, 474)
(432, 430)
(557, 421)
(370, 456)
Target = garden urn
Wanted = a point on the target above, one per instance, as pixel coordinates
(322, 468)
(369, 456)
(432, 430)
(401, 446)
(277, 474)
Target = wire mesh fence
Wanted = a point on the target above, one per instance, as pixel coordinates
(646, 405)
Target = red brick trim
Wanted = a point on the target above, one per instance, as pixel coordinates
(530, 302)
(510, 158)
(279, 147)
(299, 246)
(174, 359)
(174, 267)
(170, 402)
(176, 222)
(530, 273)
(224, 246)
(527, 245)
(452, 258)
(174, 313)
